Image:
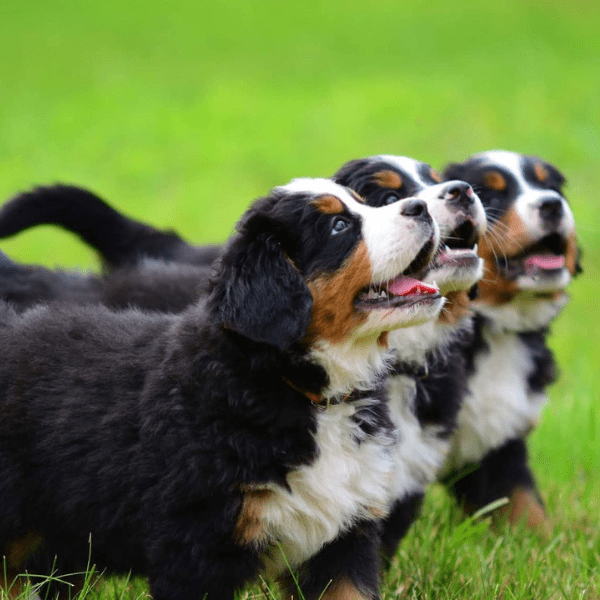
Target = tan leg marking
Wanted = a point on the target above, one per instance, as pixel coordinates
(250, 528)
(15, 554)
(524, 506)
(342, 590)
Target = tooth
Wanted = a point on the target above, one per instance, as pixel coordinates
(476, 249)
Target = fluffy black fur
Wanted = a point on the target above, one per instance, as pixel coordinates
(119, 240)
(152, 285)
(140, 431)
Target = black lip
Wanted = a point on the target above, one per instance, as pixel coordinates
(421, 261)
(458, 260)
(463, 236)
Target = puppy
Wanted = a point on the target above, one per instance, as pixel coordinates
(238, 438)
(530, 255)
(427, 383)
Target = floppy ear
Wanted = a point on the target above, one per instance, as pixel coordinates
(351, 173)
(259, 293)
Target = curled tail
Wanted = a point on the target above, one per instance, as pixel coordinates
(119, 240)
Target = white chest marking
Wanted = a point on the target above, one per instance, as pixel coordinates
(347, 482)
(419, 451)
(499, 405)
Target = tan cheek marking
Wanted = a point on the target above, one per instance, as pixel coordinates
(388, 179)
(540, 172)
(508, 237)
(494, 181)
(572, 254)
(342, 590)
(457, 306)
(333, 313)
(250, 528)
(329, 205)
(435, 176)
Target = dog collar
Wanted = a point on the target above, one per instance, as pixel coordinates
(318, 400)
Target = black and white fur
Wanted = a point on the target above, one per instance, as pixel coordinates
(196, 449)
(430, 368)
(531, 256)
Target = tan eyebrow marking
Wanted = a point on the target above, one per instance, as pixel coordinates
(494, 181)
(435, 176)
(329, 205)
(388, 179)
(541, 172)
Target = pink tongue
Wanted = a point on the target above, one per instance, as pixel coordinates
(545, 261)
(404, 286)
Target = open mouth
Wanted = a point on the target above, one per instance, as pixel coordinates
(545, 258)
(459, 248)
(404, 290)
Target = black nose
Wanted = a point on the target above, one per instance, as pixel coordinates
(459, 194)
(551, 209)
(414, 208)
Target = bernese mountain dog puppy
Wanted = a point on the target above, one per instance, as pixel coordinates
(427, 384)
(530, 255)
(242, 437)
(428, 379)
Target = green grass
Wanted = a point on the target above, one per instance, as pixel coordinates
(181, 113)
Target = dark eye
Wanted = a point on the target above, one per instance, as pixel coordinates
(339, 225)
(390, 199)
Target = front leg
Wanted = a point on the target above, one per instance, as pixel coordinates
(191, 562)
(504, 472)
(397, 523)
(345, 569)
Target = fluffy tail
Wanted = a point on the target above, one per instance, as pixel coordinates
(119, 240)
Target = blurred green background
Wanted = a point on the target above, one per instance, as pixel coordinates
(180, 113)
